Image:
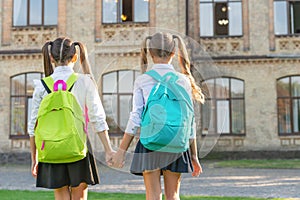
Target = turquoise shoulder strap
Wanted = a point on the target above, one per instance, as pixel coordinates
(172, 76)
(154, 75)
(178, 90)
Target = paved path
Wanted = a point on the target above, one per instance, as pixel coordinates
(213, 182)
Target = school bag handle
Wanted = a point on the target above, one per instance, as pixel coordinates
(50, 86)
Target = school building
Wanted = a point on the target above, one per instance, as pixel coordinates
(245, 55)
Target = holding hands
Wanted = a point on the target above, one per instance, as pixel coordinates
(108, 157)
(118, 160)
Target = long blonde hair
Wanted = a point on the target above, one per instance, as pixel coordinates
(163, 45)
(62, 51)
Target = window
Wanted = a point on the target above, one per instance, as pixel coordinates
(120, 11)
(117, 98)
(21, 90)
(220, 18)
(35, 12)
(223, 111)
(286, 17)
(288, 105)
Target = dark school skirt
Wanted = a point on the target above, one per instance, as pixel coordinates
(53, 176)
(147, 160)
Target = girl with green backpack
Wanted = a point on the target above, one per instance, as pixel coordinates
(163, 112)
(63, 103)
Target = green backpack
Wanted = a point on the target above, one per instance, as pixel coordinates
(60, 132)
(168, 116)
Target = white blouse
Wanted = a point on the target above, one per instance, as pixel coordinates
(84, 90)
(142, 88)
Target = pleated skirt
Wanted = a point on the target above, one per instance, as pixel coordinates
(53, 176)
(148, 160)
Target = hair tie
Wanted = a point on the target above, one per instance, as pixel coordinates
(61, 48)
(175, 36)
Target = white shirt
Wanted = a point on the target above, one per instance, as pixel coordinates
(84, 90)
(142, 88)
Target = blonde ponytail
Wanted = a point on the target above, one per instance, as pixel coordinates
(185, 66)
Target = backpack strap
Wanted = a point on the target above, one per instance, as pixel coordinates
(48, 83)
(154, 75)
(172, 77)
(71, 80)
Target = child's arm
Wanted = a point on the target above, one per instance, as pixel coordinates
(195, 162)
(36, 100)
(132, 125)
(34, 163)
(97, 117)
(118, 159)
(109, 152)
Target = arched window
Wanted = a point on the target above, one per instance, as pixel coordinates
(21, 90)
(117, 88)
(224, 109)
(288, 105)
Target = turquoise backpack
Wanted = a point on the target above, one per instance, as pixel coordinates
(168, 116)
(60, 132)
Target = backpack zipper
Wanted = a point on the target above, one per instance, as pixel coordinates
(43, 145)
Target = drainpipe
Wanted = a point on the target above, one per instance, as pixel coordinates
(187, 17)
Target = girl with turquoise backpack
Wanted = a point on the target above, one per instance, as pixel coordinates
(63, 103)
(163, 116)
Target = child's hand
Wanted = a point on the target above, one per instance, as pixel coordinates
(34, 169)
(118, 159)
(197, 167)
(108, 157)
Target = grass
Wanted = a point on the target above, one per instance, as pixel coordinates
(264, 164)
(48, 195)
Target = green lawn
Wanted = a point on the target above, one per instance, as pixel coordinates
(266, 164)
(48, 195)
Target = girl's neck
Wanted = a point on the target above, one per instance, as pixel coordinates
(65, 65)
(158, 60)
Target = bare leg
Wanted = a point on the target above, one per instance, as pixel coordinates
(152, 184)
(172, 185)
(62, 193)
(80, 192)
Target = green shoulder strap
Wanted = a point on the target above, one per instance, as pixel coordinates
(71, 80)
(48, 83)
